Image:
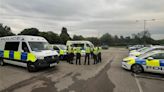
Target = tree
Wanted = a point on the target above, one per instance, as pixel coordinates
(30, 31)
(64, 36)
(76, 37)
(51, 37)
(143, 37)
(106, 39)
(5, 31)
(94, 40)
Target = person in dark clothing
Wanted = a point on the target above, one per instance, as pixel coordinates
(71, 55)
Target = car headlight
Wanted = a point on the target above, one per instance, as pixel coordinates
(126, 61)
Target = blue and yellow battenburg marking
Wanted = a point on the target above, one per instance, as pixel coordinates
(16, 55)
(153, 63)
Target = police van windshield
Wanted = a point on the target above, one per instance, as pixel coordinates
(78, 45)
(38, 46)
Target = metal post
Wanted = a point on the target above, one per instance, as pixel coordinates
(144, 25)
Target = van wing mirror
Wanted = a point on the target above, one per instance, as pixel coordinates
(150, 58)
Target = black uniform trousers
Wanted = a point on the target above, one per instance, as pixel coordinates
(95, 58)
(99, 57)
(87, 56)
(69, 57)
(78, 58)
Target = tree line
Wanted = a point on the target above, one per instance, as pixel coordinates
(143, 37)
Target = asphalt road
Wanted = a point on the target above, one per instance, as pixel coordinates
(107, 76)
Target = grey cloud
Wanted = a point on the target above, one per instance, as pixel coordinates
(86, 17)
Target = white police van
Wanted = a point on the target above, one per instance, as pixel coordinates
(27, 51)
(82, 44)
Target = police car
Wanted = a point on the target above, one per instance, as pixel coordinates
(27, 51)
(149, 62)
(135, 47)
(145, 50)
(61, 49)
(139, 50)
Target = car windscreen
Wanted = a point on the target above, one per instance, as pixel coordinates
(142, 49)
(38, 46)
(63, 47)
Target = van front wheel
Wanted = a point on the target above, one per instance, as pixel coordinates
(31, 67)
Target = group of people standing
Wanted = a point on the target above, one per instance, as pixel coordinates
(94, 53)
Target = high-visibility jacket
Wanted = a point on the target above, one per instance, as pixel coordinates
(95, 50)
(16, 55)
(78, 50)
(69, 50)
(62, 52)
(88, 50)
(99, 49)
(72, 50)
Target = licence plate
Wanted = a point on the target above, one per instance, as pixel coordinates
(53, 64)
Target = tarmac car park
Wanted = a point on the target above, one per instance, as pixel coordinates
(107, 76)
(150, 62)
(27, 51)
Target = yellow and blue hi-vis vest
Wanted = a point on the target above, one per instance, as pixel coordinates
(16, 55)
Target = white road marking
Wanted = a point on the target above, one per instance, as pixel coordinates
(150, 77)
(138, 83)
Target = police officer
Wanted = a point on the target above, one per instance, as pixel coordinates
(92, 52)
(99, 54)
(95, 55)
(69, 54)
(78, 55)
(87, 55)
(61, 54)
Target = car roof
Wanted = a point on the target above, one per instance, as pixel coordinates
(22, 37)
(151, 53)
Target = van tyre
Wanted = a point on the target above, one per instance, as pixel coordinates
(136, 68)
(31, 67)
(2, 62)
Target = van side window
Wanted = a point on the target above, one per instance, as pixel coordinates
(87, 45)
(25, 47)
(12, 46)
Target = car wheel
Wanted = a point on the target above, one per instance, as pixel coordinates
(2, 62)
(31, 67)
(136, 68)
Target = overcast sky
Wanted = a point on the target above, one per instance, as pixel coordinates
(85, 17)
